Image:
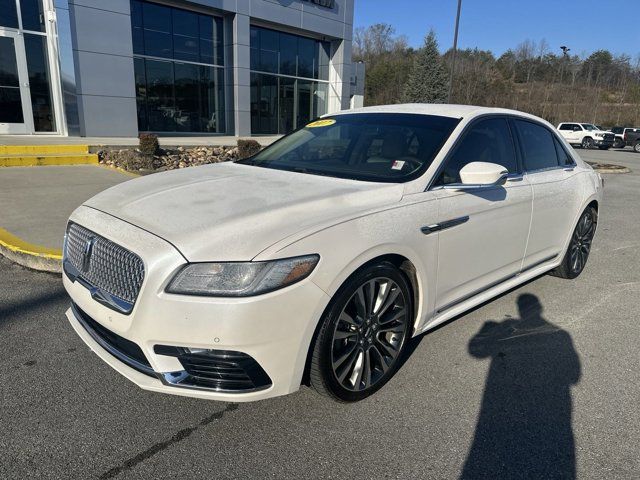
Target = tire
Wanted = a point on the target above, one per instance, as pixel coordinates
(603, 148)
(358, 348)
(636, 147)
(618, 143)
(587, 143)
(577, 254)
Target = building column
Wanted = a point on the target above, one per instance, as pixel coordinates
(103, 56)
(241, 63)
(340, 76)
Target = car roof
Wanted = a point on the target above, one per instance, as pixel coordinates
(440, 109)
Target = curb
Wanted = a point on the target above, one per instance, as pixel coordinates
(48, 160)
(118, 169)
(28, 255)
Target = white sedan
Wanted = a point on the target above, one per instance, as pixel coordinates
(320, 257)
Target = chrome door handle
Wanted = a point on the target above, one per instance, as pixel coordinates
(436, 227)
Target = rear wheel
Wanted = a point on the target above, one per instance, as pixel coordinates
(362, 334)
(636, 147)
(603, 148)
(575, 259)
(587, 143)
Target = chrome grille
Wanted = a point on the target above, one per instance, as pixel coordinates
(106, 266)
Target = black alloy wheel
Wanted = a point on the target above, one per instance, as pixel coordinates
(363, 334)
(587, 143)
(579, 249)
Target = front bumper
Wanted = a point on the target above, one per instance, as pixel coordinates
(603, 142)
(274, 329)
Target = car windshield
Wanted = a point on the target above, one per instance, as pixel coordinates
(589, 126)
(378, 147)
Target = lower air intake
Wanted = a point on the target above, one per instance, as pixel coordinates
(218, 370)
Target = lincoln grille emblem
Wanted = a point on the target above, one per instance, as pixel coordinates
(86, 253)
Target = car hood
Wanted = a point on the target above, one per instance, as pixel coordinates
(232, 211)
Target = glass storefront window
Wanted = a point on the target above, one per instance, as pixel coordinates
(32, 13)
(282, 104)
(288, 81)
(39, 82)
(173, 33)
(182, 95)
(10, 102)
(287, 54)
(8, 14)
(179, 97)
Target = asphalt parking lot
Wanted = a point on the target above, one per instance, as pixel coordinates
(552, 392)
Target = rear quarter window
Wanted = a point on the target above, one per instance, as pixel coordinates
(538, 147)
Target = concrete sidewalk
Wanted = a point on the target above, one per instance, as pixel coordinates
(35, 202)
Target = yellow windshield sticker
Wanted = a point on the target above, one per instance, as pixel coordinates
(321, 123)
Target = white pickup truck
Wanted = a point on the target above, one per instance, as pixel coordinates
(586, 135)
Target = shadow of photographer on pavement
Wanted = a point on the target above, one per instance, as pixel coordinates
(524, 426)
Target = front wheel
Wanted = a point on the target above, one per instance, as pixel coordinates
(618, 143)
(636, 147)
(587, 143)
(363, 334)
(603, 148)
(575, 259)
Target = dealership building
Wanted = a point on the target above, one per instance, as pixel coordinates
(114, 68)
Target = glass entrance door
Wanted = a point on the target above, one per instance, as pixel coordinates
(15, 100)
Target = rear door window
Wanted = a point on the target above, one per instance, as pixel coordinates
(538, 146)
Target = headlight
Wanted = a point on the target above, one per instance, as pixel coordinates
(599, 134)
(241, 279)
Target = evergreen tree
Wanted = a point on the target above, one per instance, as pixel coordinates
(428, 82)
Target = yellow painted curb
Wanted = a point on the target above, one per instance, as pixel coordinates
(43, 150)
(15, 244)
(36, 160)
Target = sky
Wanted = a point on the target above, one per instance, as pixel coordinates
(497, 25)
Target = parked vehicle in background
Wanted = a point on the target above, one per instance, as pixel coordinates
(619, 132)
(633, 140)
(586, 135)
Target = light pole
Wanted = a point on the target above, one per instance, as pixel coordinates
(455, 49)
(565, 59)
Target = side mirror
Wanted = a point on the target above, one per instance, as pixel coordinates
(481, 174)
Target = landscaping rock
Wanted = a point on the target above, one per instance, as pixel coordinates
(166, 159)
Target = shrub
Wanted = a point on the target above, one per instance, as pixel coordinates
(131, 160)
(248, 148)
(149, 144)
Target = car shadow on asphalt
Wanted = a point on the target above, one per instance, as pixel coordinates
(13, 311)
(524, 428)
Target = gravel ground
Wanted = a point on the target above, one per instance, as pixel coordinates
(549, 389)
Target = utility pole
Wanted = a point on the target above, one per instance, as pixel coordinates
(455, 49)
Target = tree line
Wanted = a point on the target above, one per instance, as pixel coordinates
(600, 88)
